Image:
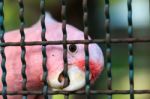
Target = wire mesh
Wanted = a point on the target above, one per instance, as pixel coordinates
(108, 41)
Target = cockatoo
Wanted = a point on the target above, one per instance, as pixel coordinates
(55, 63)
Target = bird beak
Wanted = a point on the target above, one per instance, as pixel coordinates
(54, 82)
(76, 78)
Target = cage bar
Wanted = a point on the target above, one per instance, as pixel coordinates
(65, 59)
(2, 32)
(130, 49)
(108, 47)
(86, 30)
(23, 49)
(45, 71)
(92, 92)
(59, 42)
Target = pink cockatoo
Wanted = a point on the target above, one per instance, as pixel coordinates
(55, 63)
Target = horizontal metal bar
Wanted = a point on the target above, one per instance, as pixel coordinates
(92, 92)
(115, 40)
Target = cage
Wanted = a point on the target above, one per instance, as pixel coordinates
(118, 26)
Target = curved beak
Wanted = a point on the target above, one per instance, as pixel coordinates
(76, 78)
(54, 82)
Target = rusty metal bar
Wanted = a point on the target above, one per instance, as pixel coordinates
(22, 23)
(2, 51)
(45, 71)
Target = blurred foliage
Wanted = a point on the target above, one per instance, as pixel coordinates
(118, 25)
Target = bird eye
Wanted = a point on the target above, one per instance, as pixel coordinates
(72, 48)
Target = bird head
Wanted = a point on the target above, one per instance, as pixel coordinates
(75, 58)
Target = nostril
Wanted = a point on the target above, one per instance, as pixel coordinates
(61, 78)
(64, 78)
(53, 55)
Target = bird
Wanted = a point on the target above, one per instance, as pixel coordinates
(54, 62)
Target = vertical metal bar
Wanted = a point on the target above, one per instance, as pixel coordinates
(2, 31)
(86, 30)
(66, 96)
(23, 72)
(130, 50)
(108, 47)
(45, 71)
(64, 21)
